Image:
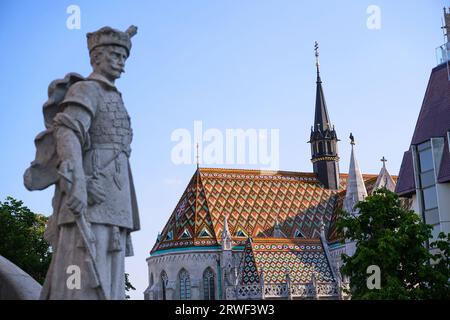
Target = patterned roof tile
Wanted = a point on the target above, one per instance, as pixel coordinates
(252, 201)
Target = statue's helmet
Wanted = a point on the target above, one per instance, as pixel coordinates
(109, 36)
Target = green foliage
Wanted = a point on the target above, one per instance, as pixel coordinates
(128, 285)
(395, 239)
(22, 238)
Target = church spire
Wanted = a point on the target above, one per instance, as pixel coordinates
(323, 138)
(384, 179)
(321, 118)
(356, 189)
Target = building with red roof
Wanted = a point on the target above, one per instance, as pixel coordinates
(251, 234)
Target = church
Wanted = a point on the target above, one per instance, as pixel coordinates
(250, 234)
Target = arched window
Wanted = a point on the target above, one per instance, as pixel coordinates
(329, 150)
(208, 284)
(320, 147)
(164, 280)
(185, 285)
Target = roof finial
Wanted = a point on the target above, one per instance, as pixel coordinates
(316, 53)
(352, 139)
(384, 160)
(197, 157)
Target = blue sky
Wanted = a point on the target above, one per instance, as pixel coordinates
(231, 64)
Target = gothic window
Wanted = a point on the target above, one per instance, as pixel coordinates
(329, 150)
(321, 147)
(164, 280)
(208, 284)
(185, 285)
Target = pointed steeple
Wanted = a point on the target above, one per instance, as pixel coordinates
(323, 139)
(321, 118)
(356, 189)
(384, 179)
(226, 235)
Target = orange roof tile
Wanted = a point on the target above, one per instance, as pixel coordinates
(252, 201)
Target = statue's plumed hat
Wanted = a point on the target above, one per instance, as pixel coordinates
(109, 36)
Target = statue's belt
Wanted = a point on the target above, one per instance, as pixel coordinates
(118, 149)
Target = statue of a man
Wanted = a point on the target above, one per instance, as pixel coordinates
(84, 152)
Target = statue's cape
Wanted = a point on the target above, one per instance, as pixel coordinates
(42, 172)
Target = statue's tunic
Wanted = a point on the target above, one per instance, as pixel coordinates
(94, 110)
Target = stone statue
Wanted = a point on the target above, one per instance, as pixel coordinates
(85, 152)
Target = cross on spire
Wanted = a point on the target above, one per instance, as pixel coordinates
(384, 160)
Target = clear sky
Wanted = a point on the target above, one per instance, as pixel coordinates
(230, 64)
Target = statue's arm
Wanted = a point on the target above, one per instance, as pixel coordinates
(71, 128)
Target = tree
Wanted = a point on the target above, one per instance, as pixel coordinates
(22, 238)
(128, 285)
(394, 239)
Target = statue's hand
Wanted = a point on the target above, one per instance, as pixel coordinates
(74, 185)
(77, 200)
(95, 191)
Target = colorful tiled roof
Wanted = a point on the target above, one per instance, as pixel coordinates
(277, 257)
(252, 201)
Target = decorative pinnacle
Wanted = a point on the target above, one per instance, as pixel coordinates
(352, 139)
